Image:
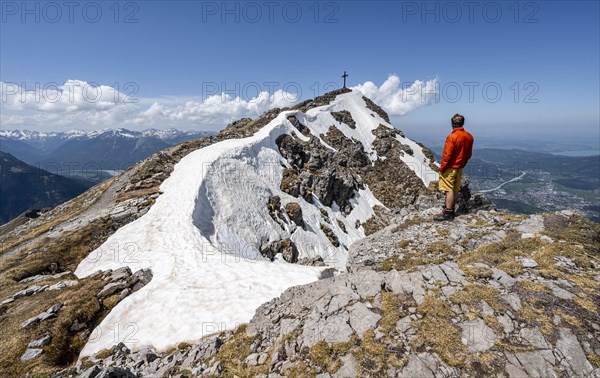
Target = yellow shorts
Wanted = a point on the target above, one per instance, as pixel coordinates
(450, 180)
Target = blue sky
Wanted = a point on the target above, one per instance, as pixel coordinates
(176, 52)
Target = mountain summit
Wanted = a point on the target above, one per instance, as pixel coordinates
(301, 188)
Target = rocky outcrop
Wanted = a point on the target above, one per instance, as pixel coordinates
(421, 299)
(350, 153)
(66, 318)
(317, 171)
(302, 128)
(320, 100)
(294, 212)
(377, 109)
(344, 116)
(469, 202)
(285, 247)
(335, 176)
(390, 179)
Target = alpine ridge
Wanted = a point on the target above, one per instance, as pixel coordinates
(299, 243)
(224, 206)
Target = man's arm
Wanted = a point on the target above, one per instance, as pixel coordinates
(469, 150)
(448, 149)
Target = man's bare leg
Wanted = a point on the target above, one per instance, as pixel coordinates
(448, 212)
(451, 198)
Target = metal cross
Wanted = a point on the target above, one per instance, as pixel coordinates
(345, 75)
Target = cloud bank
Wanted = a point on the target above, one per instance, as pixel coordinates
(398, 98)
(81, 105)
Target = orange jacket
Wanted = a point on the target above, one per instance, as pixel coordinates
(457, 150)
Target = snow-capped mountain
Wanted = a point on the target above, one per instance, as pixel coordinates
(41, 139)
(301, 188)
(113, 149)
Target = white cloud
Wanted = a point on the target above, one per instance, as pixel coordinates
(219, 107)
(78, 104)
(399, 98)
(71, 96)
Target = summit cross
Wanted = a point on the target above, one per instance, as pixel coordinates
(345, 75)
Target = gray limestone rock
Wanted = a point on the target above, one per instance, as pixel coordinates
(31, 353)
(349, 367)
(362, 319)
(477, 336)
(42, 341)
(575, 361)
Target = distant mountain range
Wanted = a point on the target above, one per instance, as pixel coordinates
(89, 153)
(24, 187)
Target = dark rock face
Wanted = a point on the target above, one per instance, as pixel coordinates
(386, 141)
(384, 132)
(350, 153)
(294, 211)
(336, 185)
(320, 100)
(302, 128)
(293, 150)
(471, 202)
(429, 156)
(377, 109)
(286, 247)
(239, 124)
(330, 235)
(317, 171)
(344, 116)
(334, 176)
(390, 179)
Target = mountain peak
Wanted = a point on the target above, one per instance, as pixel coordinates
(301, 184)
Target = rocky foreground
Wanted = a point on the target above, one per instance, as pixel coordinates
(491, 294)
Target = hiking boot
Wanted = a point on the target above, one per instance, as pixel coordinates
(444, 215)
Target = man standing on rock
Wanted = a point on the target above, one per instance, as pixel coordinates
(457, 152)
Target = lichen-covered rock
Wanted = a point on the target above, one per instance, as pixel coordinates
(294, 211)
(376, 108)
(344, 116)
(285, 247)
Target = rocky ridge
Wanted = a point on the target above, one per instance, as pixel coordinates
(56, 241)
(490, 294)
(403, 243)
